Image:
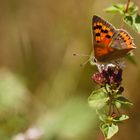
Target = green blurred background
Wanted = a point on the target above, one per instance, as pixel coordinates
(43, 90)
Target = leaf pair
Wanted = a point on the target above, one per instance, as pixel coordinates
(110, 129)
(99, 100)
(130, 16)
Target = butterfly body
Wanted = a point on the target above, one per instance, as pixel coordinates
(110, 43)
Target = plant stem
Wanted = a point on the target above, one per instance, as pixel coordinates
(117, 110)
(125, 11)
(110, 100)
(110, 107)
(127, 6)
(107, 91)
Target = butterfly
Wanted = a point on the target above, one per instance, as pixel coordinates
(110, 43)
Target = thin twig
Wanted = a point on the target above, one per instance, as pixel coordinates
(117, 110)
(110, 107)
(127, 6)
(125, 11)
(107, 90)
(110, 100)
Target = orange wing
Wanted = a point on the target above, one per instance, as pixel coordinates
(110, 43)
(102, 36)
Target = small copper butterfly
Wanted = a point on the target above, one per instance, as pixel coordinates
(110, 43)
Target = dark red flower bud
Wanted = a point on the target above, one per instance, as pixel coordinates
(113, 115)
(121, 89)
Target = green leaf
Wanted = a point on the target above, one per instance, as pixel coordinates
(121, 118)
(133, 21)
(131, 59)
(98, 98)
(123, 100)
(102, 113)
(111, 9)
(116, 8)
(118, 104)
(103, 117)
(109, 130)
(133, 9)
(120, 8)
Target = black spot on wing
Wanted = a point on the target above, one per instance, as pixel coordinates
(104, 31)
(97, 34)
(108, 36)
(97, 27)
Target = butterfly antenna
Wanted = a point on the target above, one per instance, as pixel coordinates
(85, 55)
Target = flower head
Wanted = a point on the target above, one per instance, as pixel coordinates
(111, 75)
